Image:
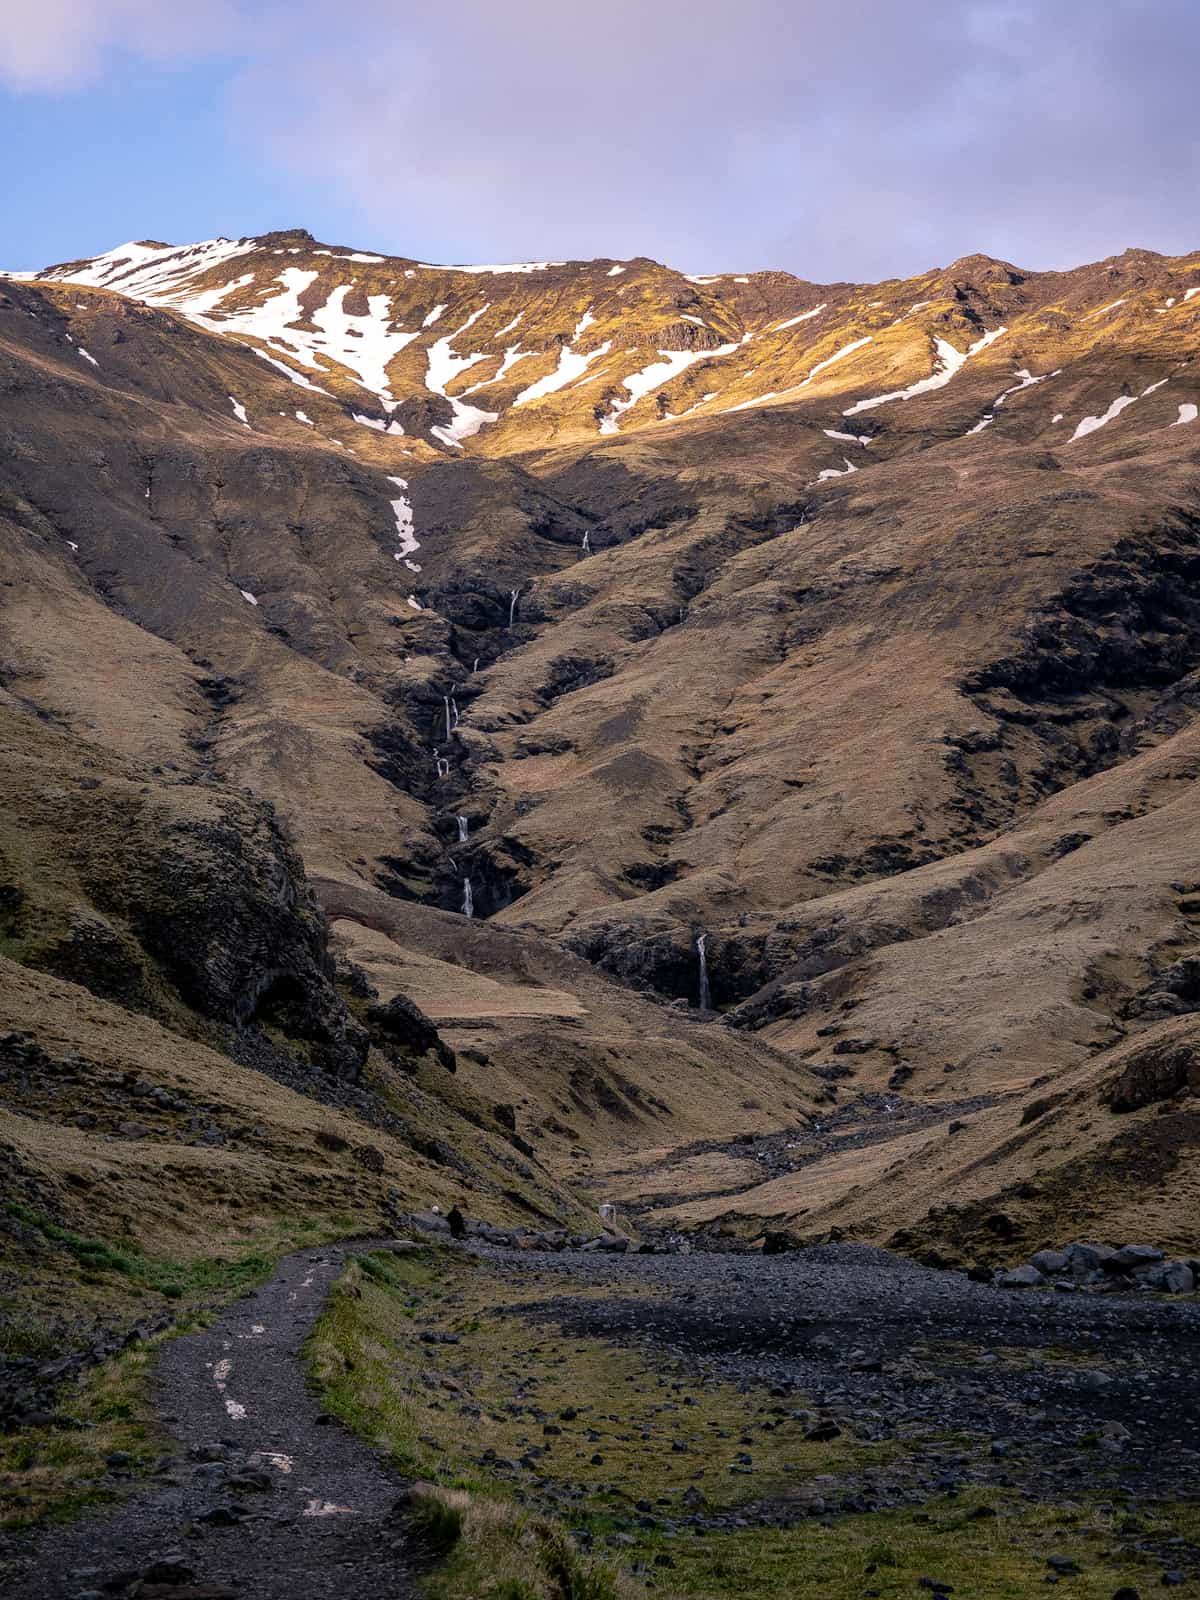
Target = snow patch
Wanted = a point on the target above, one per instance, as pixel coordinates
(838, 355)
(403, 512)
(572, 364)
(949, 362)
(512, 266)
(290, 372)
(86, 356)
(805, 316)
(1094, 424)
(639, 384)
(250, 599)
(837, 472)
(239, 411)
(614, 272)
(443, 366)
(1027, 382)
(1187, 413)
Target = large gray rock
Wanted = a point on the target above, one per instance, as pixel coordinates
(1084, 1258)
(1130, 1257)
(1049, 1262)
(1174, 1277)
(1021, 1278)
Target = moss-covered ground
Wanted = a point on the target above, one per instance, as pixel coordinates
(539, 1442)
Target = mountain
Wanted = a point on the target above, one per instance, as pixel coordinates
(842, 638)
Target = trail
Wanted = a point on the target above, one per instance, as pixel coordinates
(260, 1496)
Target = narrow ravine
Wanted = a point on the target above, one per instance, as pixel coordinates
(261, 1494)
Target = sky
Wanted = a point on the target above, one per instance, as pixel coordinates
(859, 140)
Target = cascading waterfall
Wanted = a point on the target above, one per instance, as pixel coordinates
(702, 953)
(475, 665)
(513, 596)
(454, 710)
(468, 899)
(462, 829)
(443, 766)
(587, 543)
(446, 703)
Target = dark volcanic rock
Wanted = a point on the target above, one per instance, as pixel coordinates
(401, 1028)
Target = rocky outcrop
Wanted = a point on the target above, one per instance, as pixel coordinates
(185, 901)
(404, 1033)
(1157, 1072)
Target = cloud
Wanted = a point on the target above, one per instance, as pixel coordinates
(859, 140)
(60, 44)
(862, 140)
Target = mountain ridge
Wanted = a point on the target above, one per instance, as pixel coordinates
(877, 669)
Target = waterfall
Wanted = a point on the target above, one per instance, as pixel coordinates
(468, 899)
(454, 710)
(443, 766)
(462, 829)
(475, 665)
(513, 596)
(586, 546)
(702, 952)
(446, 703)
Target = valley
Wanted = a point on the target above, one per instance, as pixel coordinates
(532, 737)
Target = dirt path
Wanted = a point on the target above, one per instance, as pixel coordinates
(262, 1497)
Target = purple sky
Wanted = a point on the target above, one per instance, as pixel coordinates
(860, 139)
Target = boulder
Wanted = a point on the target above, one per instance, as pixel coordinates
(1049, 1262)
(1085, 1259)
(1130, 1257)
(401, 1028)
(777, 1242)
(1027, 1277)
(1174, 1277)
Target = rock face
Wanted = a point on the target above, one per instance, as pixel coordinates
(1155, 1074)
(169, 898)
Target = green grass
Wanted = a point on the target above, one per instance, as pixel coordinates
(999, 1555)
(174, 1280)
(52, 1473)
(436, 1408)
(498, 1551)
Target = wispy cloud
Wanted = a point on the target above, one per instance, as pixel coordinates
(60, 44)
